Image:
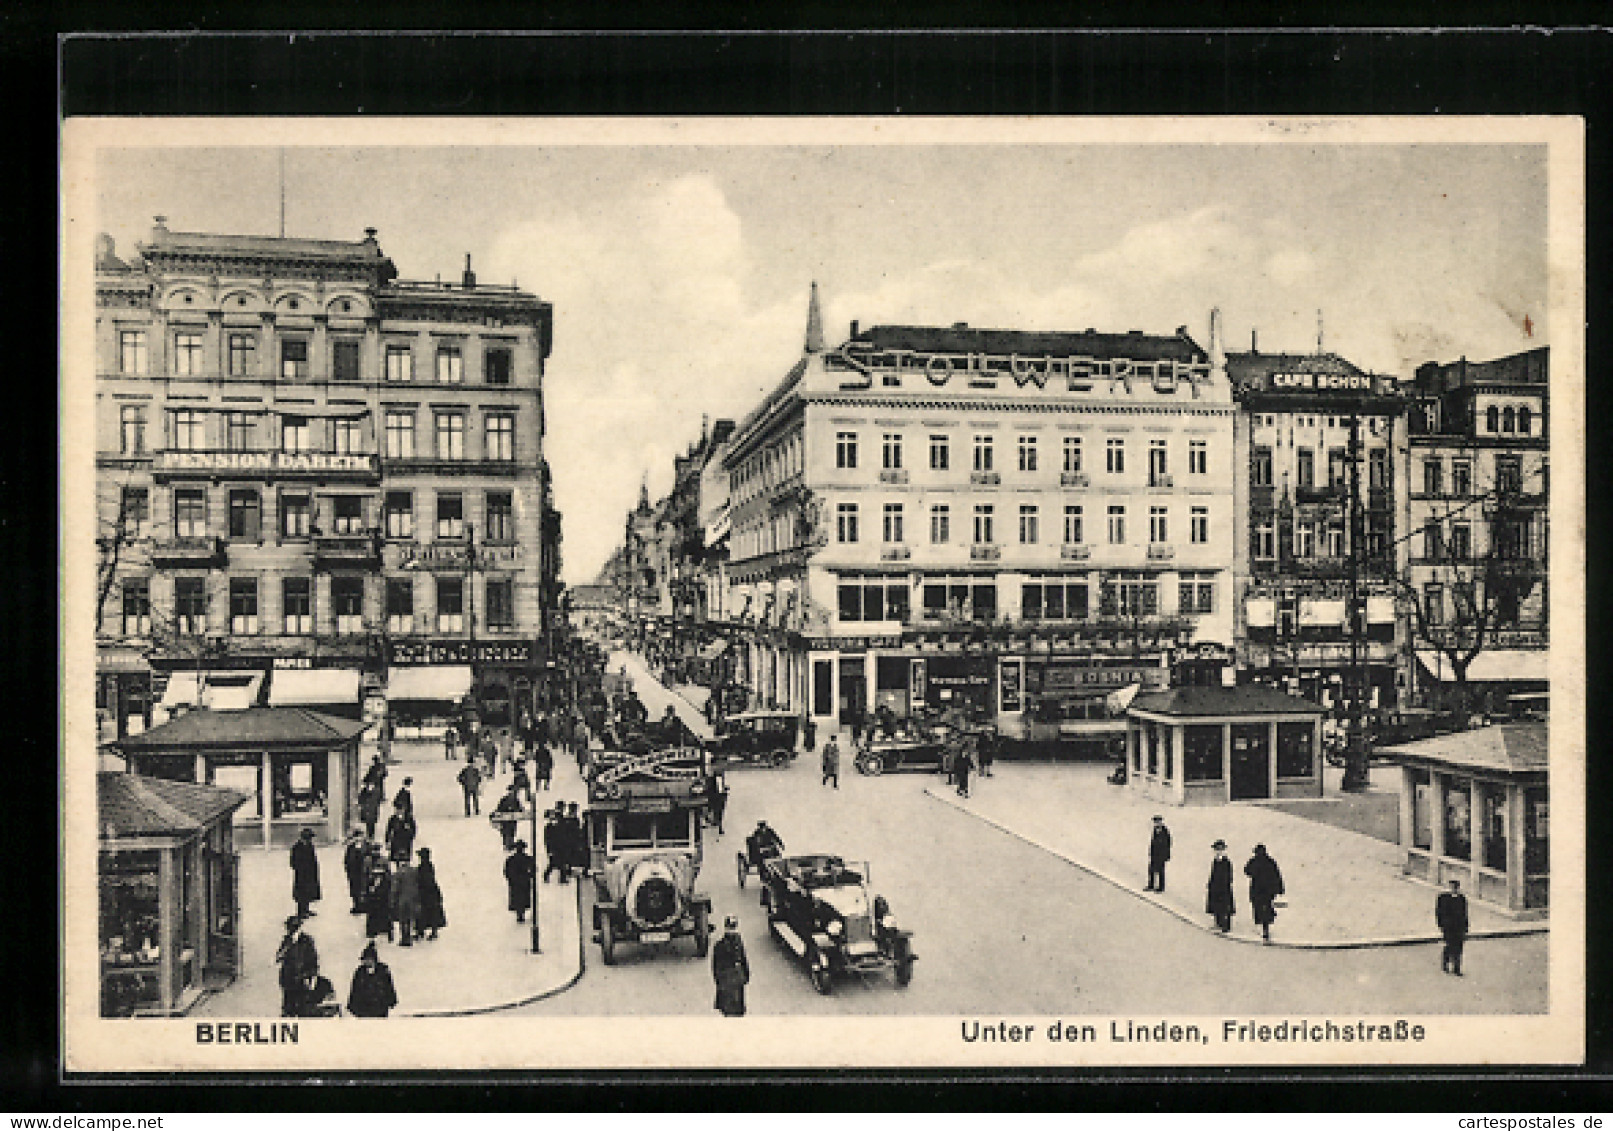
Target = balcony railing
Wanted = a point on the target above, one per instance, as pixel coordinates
(1160, 551)
(985, 478)
(347, 549)
(893, 475)
(895, 552)
(188, 551)
(985, 552)
(1075, 551)
(1075, 479)
(1321, 493)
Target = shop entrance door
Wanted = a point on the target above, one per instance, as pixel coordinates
(853, 689)
(223, 930)
(822, 687)
(1251, 762)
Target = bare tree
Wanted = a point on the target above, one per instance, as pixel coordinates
(113, 539)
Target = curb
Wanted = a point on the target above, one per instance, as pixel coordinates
(1196, 924)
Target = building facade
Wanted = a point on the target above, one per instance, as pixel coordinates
(305, 462)
(1009, 522)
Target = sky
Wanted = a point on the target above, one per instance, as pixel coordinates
(680, 274)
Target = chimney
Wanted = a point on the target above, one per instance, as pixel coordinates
(470, 276)
(814, 326)
(159, 227)
(1254, 340)
(369, 234)
(1218, 358)
(853, 327)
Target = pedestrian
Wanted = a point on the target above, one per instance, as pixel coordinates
(831, 762)
(406, 901)
(730, 970)
(372, 993)
(369, 808)
(1159, 853)
(543, 764)
(988, 754)
(1265, 885)
(962, 766)
(450, 743)
(378, 898)
(809, 735)
(719, 799)
(470, 783)
(299, 965)
(432, 916)
(405, 800)
(555, 849)
(575, 836)
(505, 815)
(518, 868)
(400, 830)
(1218, 901)
(521, 782)
(354, 858)
(376, 776)
(304, 873)
(386, 739)
(1450, 914)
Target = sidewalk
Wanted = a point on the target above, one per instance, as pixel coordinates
(1344, 889)
(482, 960)
(656, 697)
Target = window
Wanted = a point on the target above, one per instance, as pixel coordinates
(1508, 475)
(1072, 454)
(1131, 594)
(1338, 468)
(137, 608)
(400, 604)
(1053, 599)
(237, 432)
(1509, 420)
(400, 435)
(1198, 457)
(294, 359)
(187, 353)
(190, 605)
(1432, 477)
(984, 534)
(1158, 525)
(892, 525)
(294, 434)
(940, 524)
(294, 516)
(450, 435)
(873, 599)
(296, 602)
(1305, 538)
(1296, 753)
(500, 603)
(1433, 543)
(450, 604)
(246, 516)
(891, 452)
(450, 366)
(940, 453)
(347, 597)
(450, 515)
(1492, 419)
(500, 517)
(1157, 465)
(399, 508)
(244, 606)
(190, 434)
(1199, 525)
(1333, 537)
(190, 512)
(1027, 453)
(984, 453)
(1305, 461)
(1461, 478)
(132, 430)
(135, 506)
(1434, 603)
(1526, 421)
(845, 449)
(1201, 753)
(1378, 470)
(1461, 541)
(1117, 525)
(500, 436)
(1265, 548)
(1029, 523)
(132, 351)
(347, 513)
(1114, 450)
(1458, 806)
(1195, 593)
(344, 360)
(399, 363)
(1073, 525)
(242, 350)
(497, 367)
(959, 597)
(1260, 468)
(846, 522)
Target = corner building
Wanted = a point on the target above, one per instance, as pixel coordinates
(304, 462)
(1017, 523)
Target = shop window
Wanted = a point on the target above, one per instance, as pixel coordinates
(1153, 748)
(299, 785)
(1296, 752)
(347, 596)
(400, 605)
(1493, 824)
(131, 934)
(500, 603)
(1536, 840)
(1202, 753)
(1458, 820)
(1422, 808)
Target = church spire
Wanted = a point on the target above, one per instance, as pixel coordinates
(644, 494)
(814, 326)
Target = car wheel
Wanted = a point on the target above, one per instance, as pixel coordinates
(904, 971)
(743, 870)
(870, 765)
(702, 932)
(607, 941)
(780, 760)
(820, 978)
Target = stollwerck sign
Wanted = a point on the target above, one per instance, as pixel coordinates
(987, 370)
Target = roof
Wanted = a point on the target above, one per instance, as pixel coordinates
(212, 243)
(1518, 748)
(292, 687)
(134, 805)
(1248, 699)
(255, 727)
(1247, 366)
(963, 338)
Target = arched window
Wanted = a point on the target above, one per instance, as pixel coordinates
(1509, 420)
(1492, 419)
(1525, 420)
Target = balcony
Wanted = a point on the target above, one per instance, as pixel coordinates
(1075, 479)
(895, 552)
(188, 552)
(1075, 551)
(1160, 551)
(1322, 493)
(893, 475)
(347, 551)
(985, 552)
(985, 478)
(1512, 502)
(1160, 480)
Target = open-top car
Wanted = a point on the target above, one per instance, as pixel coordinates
(820, 907)
(767, 737)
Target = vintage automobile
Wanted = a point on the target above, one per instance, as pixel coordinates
(886, 754)
(767, 737)
(819, 907)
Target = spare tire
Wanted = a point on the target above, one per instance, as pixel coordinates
(652, 899)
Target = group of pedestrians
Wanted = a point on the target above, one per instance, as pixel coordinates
(565, 842)
(1265, 880)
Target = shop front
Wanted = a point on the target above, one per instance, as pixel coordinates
(504, 676)
(1072, 705)
(123, 699)
(331, 690)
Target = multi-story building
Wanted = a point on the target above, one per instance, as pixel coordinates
(1315, 436)
(1475, 515)
(306, 462)
(991, 519)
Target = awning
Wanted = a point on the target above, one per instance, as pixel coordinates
(1262, 612)
(441, 682)
(221, 691)
(295, 687)
(1503, 665)
(714, 649)
(1380, 610)
(1120, 700)
(1321, 613)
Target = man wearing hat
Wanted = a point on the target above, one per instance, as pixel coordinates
(1218, 902)
(372, 993)
(355, 858)
(299, 966)
(1159, 851)
(730, 970)
(518, 871)
(304, 873)
(470, 783)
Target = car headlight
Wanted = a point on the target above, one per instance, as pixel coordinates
(835, 929)
(888, 922)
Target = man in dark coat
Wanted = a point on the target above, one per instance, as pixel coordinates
(575, 837)
(432, 916)
(730, 970)
(372, 993)
(1218, 901)
(400, 830)
(1450, 914)
(406, 902)
(369, 807)
(506, 814)
(518, 869)
(378, 898)
(299, 966)
(1159, 852)
(1265, 885)
(354, 859)
(404, 801)
(543, 764)
(470, 781)
(555, 847)
(304, 873)
(376, 776)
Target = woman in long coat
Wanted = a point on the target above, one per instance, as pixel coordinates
(304, 873)
(400, 830)
(432, 918)
(1265, 885)
(372, 993)
(1218, 902)
(378, 898)
(518, 875)
(730, 970)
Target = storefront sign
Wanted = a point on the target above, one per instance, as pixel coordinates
(277, 463)
(917, 670)
(287, 663)
(961, 679)
(1068, 677)
(675, 764)
(461, 652)
(1321, 382)
(1010, 686)
(1204, 651)
(452, 555)
(1008, 371)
